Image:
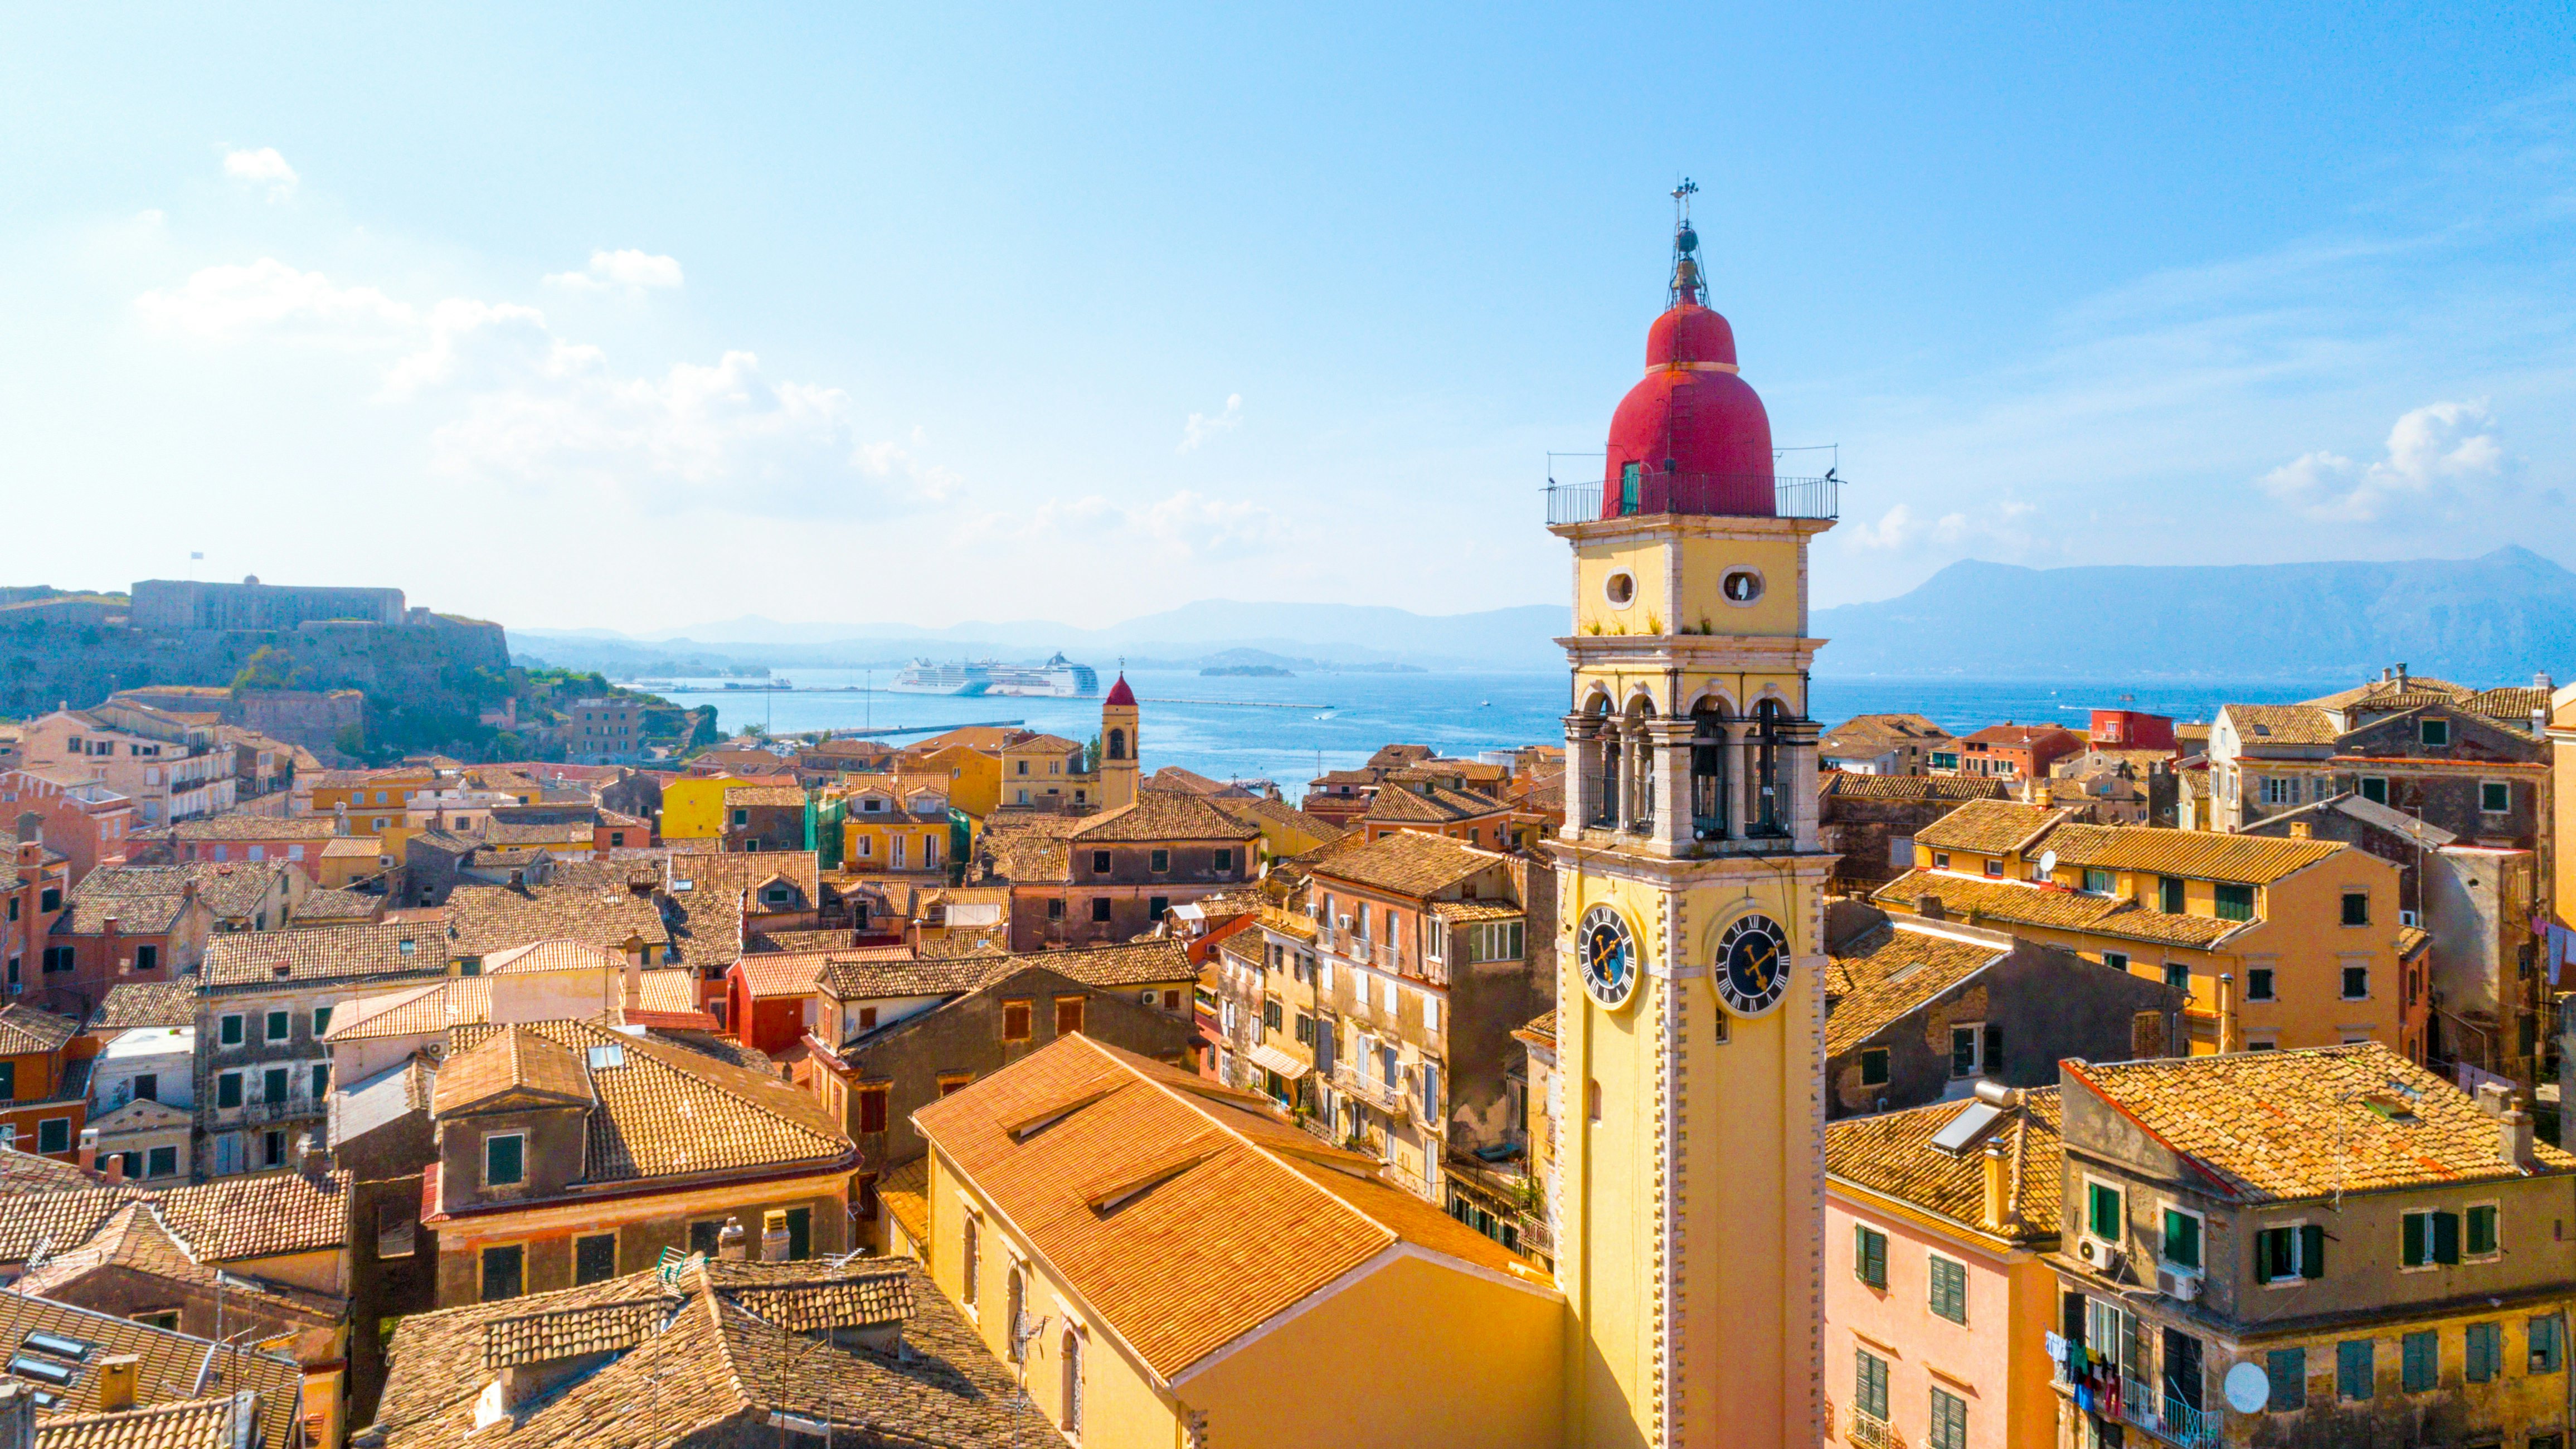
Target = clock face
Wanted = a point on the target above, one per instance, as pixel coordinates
(1609, 956)
(1753, 965)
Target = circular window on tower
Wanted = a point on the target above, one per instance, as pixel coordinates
(1620, 589)
(1741, 585)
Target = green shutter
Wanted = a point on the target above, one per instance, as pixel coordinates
(2312, 1251)
(2446, 1237)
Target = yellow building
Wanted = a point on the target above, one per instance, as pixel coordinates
(1120, 746)
(1690, 883)
(974, 776)
(2281, 943)
(1185, 1267)
(373, 798)
(897, 823)
(693, 806)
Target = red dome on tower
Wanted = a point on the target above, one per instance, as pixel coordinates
(1120, 694)
(1691, 436)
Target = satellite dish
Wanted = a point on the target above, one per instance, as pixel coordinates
(2048, 862)
(2248, 1388)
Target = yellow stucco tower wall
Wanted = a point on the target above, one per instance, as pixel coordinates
(1119, 748)
(1690, 1180)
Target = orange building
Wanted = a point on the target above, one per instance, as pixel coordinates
(44, 1082)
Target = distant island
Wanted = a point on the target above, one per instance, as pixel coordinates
(1250, 671)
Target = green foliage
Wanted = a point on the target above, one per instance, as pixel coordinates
(350, 741)
(270, 668)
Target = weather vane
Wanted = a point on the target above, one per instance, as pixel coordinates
(1686, 279)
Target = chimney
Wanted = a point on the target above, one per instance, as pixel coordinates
(17, 1415)
(31, 826)
(2302, 830)
(89, 1149)
(2228, 1033)
(2515, 1135)
(773, 1240)
(2401, 678)
(1997, 1173)
(1928, 907)
(245, 1419)
(729, 1241)
(2043, 794)
(115, 1169)
(116, 1374)
(310, 1159)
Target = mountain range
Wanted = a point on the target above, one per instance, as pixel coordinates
(2493, 619)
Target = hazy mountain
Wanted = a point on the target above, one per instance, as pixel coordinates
(2489, 620)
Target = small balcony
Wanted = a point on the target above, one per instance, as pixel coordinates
(1868, 1431)
(2161, 1412)
(1703, 493)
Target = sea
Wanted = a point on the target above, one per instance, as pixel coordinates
(1291, 729)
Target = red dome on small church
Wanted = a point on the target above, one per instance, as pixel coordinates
(1120, 694)
(1691, 436)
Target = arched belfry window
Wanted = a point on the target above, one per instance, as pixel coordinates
(1605, 790)
(1117, 744)
(1767, 719)
(1641, 793)
(1708, 772)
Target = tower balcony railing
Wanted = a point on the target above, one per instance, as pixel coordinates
(1719, 493)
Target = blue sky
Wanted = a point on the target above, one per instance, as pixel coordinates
(638, 316)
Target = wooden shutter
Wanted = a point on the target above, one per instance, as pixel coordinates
(1994, 1053)
(2446, 1237)
(2312, 1250)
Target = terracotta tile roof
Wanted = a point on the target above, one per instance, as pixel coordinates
(710, 925)
(1408, 862)
(1876, 734)
(2279, 724)
(1892, 1154)
(1477, 910)
(775, 975)
(337, 906)
(136, 1239)
(467, 1000)
(1910, 787)
(541, 956)
(905, 1191)
(1258, 811)
(666, 1110)
(2411, 939)
(323, 953)
(1160, 815)
(737, 796)
(840, 938)
(25, 1172)
(2301, 1124)
(57, 1218)
(1134, 963)
(174, 1369)
(1540, 1032)
(1430, 805)
(1031, 849)
(896, 971)
(237, 1219)
(1890, 972)
(513, 1066)
(531, 833)
(287, 828)
(1227, 1215)
(2020, 903)
(2199, 854)
(485, 919)
(145, 898)
(732, 1350)
(1988, 827)
(24, 1030)
(180, 1424)
(1173, 777)
(2513, 705)
(2422, 688)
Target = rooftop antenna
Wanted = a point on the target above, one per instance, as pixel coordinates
(1686, 279)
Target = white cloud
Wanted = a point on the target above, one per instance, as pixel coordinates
(1182, 525)
(1901, 528)
(627, 270)
(263, 167)
(2440, 459)
(516, 402)
(1202, 427)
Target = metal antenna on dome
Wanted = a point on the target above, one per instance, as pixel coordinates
(1686, 280)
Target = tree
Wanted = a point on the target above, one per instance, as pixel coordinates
(269, 668)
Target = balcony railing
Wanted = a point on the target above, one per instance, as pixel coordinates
(1369, 1089)
(2167, 1417)
(1718, 493)
(1868, 1431)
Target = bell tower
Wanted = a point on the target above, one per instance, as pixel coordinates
(1690, 883)
(1118, 748)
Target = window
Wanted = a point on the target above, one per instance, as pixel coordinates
(1161, 862)
(2178, 976)
(1068, 1015)
(228, 1089)
(321, 1020)
(273, 1082)
(2233, 902)
(1100, 908)
(2542, 1334)
(146, 958)
(970, 1259)
(1055, 909)
(2097, 882)
(594, 1257)
(954, 1082)
(505, 1159)
(1873, 1067)
(2495, 797)
(54, 1134)
(504, 1272)
(2291, 1252)
(2116, 960)
(2169, 895)
(1949, 1295)
(1869, 1395)
(228, 1031)
(2287, 1369)
(1964, 1058)
(1995, 868)
(2482, 1231)
(1940, 860)
(395, 1222)
(2485, 1355)
(161, 1162)
(1224, 861)
(1272, 1014)
(1015, 1021)
(2356, 908)
(872, 1109)
(1155, 906)
(2356, 983)
(1869, 1255)
(1073, 1385)
(2102, 1217)
(2420, 1362)
(2374, 788)
(2182, 1238)
(2258, 983)
(1100, 862)
(2434, 731)
(2355, 1374)
(321, 1080)
(1949, 1420)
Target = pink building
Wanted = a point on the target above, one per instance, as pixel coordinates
(1936, 1292)
(84, 819)
(296, 839)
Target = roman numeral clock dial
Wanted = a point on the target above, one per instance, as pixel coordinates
(1753, 965)
(1609, 955)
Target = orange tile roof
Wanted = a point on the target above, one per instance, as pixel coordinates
(2020, 903)
(1892, 1154)
(1226, 1215)
(2199, 854)
(1988, 827)
(1890, 972)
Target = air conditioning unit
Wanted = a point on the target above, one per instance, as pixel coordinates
(2091, 1252)
(2180, 1285)
(2105, 1259)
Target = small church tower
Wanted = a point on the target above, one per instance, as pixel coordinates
(1690, 883)
(1118, 746)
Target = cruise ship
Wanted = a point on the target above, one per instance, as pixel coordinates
(1058, 678)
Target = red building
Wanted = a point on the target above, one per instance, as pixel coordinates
(44, 1081)
(85, 820)
(2016, 753)
(769, 999)
(2127, 729)
(38, 882)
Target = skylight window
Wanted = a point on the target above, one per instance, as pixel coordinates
(607, 1054)
(59, 1346)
